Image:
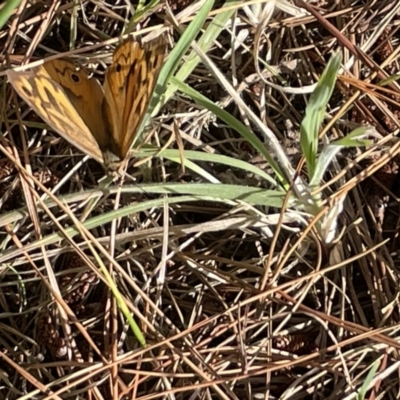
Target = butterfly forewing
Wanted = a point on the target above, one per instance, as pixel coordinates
(141, 83)
(48, 99)
(114, 91)
(128, 87)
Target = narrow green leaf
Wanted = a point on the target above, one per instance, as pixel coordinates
(7, 9)
(315, 111)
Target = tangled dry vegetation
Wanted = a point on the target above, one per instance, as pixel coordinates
(238, 289)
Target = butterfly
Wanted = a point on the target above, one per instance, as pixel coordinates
(101, 121)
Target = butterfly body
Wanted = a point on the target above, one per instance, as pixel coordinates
(101, 121)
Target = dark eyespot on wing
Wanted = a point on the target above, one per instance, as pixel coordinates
(75, 78)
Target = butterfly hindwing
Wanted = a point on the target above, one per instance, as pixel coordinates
(48, 99)
(85, 94)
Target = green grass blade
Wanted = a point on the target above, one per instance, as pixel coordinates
(315, 112)
(7, 9)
